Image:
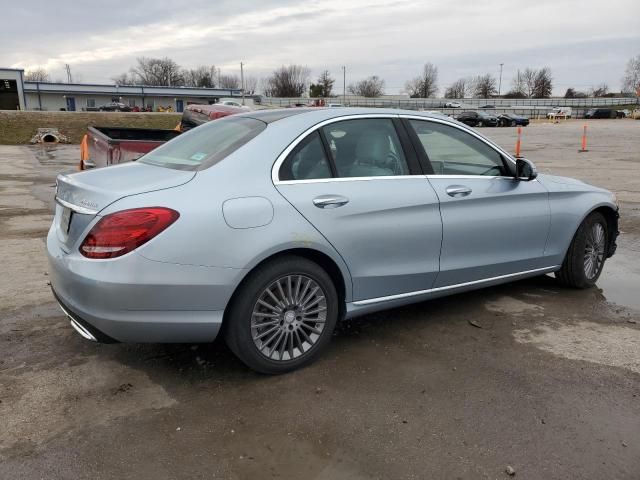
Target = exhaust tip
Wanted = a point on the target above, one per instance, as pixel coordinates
(82, 331)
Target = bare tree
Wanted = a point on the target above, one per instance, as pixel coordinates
(125, 79)
(250, 85)
(543, 83)
(457, 89)
(424, 85)
(37, 75)
(287, 81)
(631, 79)
(518, 87)
(599, 90)
(229, 81)
(369, 87)
(157, 72)
(202, 76)
(484, 86)
(529, 81)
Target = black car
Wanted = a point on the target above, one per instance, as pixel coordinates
(478, 119)
(601, 113)
(114, 107)
(512, 120)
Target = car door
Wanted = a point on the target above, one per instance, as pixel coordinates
(358, 182)
(493, 223)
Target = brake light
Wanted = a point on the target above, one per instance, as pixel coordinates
(121, 232)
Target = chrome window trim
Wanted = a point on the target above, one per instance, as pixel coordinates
(76, 208)
(281, 158)
(348, 179)
(399, 296)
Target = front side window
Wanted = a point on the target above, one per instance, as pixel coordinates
(307, 161)
(206, 145)
(452, 151)
(366, 148)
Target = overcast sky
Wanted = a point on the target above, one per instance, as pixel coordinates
(584, 42)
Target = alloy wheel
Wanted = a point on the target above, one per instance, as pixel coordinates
(289, 317)
(594, 251)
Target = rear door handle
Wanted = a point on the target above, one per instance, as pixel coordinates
(330, 201)
(458, 191)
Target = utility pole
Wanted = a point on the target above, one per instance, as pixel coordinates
(344, 86)
(242, 80)
(68, 68)
(500, 82)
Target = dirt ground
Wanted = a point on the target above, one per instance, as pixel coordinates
(546, 380)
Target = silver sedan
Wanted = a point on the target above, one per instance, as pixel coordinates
(269, 227)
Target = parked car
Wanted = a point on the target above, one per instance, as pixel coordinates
(478, 119)
(114, 107)
(624, 113)
(601, 113)
(260, 227)
(560, 112)
(196, 114)
(335, 105)
(233, 103)
(488, 106)
(512, 120)
(452, 105)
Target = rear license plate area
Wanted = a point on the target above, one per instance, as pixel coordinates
(65, 220)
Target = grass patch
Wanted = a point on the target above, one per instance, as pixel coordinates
(19, 127)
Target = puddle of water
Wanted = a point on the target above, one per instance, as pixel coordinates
(620, 279)
(56, 154)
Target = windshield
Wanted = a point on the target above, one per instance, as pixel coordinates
(205, 145)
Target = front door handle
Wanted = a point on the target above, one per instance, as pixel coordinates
(458, 191)
(330, 201)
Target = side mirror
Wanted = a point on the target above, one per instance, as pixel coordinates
(525, 169)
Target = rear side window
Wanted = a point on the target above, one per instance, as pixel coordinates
(307, 161)
(366, 148)
(206, 145)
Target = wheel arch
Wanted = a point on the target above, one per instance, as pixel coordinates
(610, 213)
(340, 279)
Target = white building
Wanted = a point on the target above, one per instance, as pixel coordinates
(17, 94)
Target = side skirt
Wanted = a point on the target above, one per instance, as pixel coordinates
(369, 305)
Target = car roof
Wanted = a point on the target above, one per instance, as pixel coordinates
(319, 114)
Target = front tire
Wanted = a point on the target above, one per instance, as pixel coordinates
(283, 315)
(587, 253)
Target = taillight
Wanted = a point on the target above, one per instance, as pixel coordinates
(119, 233)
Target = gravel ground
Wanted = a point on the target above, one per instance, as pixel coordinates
(546, 381)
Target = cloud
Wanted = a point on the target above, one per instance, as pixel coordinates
(574, 37)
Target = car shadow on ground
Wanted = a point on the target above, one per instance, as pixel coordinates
(215, 362)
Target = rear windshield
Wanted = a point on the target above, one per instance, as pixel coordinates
(205, 145)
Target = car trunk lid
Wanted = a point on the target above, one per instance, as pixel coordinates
(81, 196)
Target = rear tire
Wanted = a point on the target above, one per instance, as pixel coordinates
(587, 254)
(283, 315)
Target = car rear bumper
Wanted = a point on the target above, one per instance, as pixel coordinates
(133, 299)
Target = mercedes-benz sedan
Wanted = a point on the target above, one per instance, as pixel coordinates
(269, 227)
